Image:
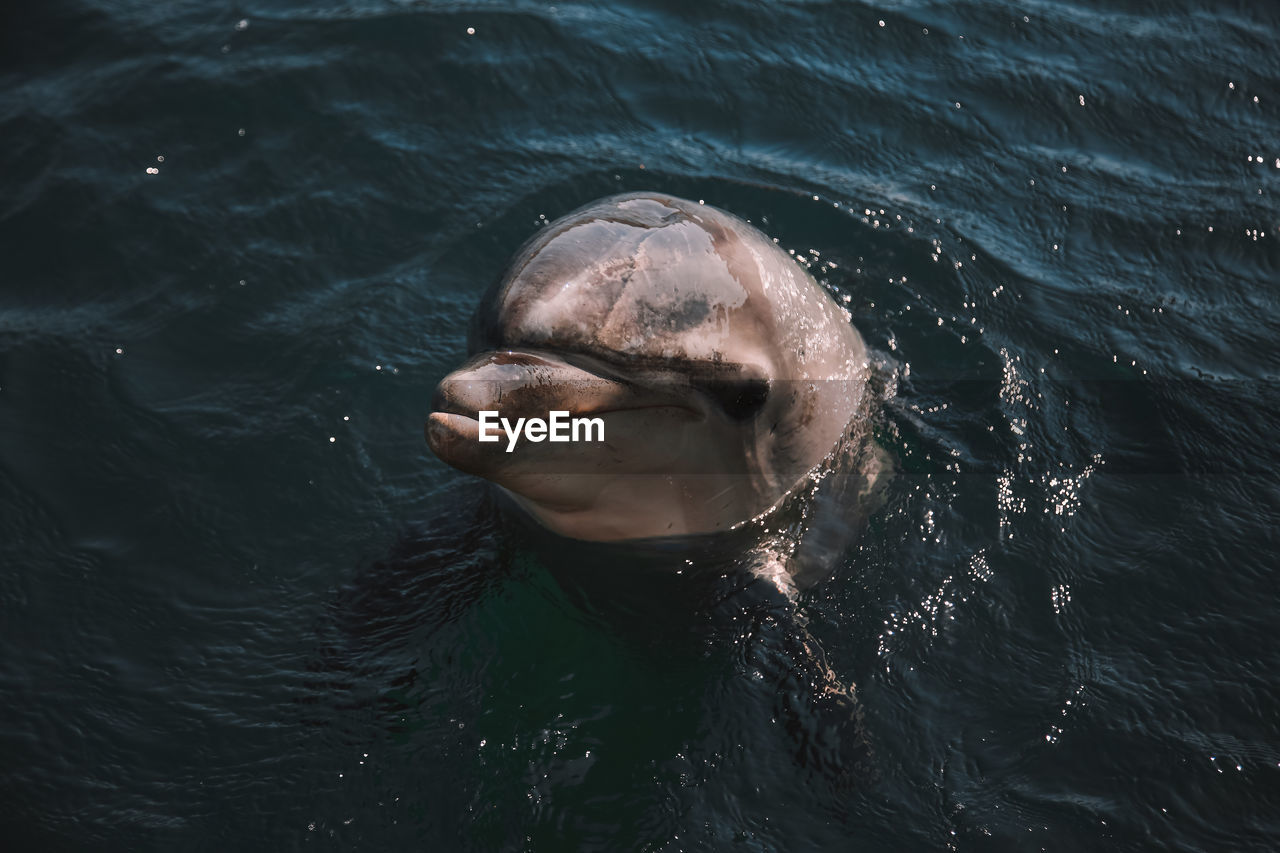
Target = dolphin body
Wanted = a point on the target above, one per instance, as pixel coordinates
(734, 394)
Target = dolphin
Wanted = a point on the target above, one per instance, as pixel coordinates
(724, 375)
(735, 399)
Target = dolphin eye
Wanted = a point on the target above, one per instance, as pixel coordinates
(739, 398)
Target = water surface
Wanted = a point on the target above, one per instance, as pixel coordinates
(242, 607)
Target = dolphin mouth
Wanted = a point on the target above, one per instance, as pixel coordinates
(517, 384)
(453, 421)
(460, 419)
(444, 428)
(526, 383)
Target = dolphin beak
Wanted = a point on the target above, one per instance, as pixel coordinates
(516, 384)
(523, 384)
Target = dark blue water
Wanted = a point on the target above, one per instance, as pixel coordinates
(242, 607)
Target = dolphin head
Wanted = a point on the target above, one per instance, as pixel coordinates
(718, 369)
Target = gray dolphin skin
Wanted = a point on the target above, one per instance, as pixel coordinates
(723, 374)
